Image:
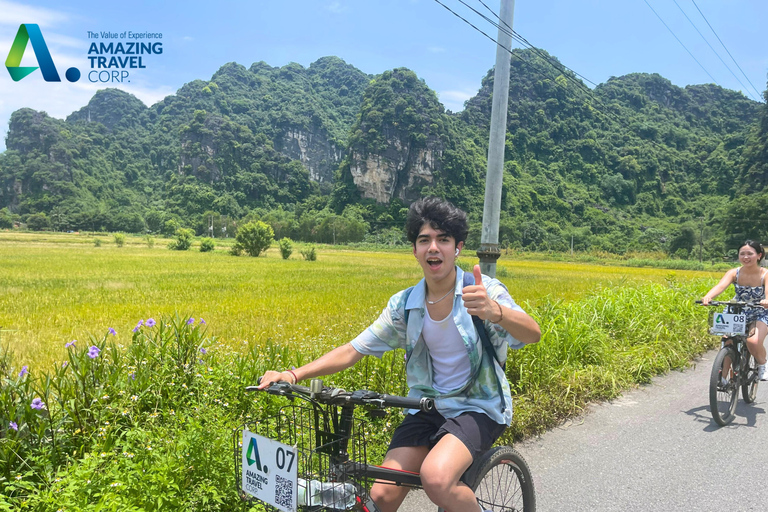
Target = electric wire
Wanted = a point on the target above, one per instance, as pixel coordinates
(581, 86)
(679, 41)
(726, 49)
(515, 35)
(713, 50)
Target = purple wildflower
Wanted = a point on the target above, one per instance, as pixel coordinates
(93, 352)
(112, 332)
(202, 321)
(141, 322)
(70, 344)
(14, 426)
(203, 351)
(64, 364)
(24, 371)
(150, 322)
(190, 321)
(38, 404)
(133, 376)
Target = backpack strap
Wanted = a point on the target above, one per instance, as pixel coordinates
(469, 280)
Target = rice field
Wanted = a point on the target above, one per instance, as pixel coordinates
(58, 287)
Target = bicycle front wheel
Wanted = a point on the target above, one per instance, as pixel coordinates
(749, 384)
(502, 482)
(723, 387)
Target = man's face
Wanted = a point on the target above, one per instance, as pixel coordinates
(436, 252)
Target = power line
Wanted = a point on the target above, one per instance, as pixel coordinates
(515, 35)
(710, 47)
(726, 49)
(679, 41)
(554, 64)
(580, 86)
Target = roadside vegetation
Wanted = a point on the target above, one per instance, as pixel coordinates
(122, 371)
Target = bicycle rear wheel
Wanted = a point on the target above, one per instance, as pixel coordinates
(723, 388)
(749, 385)
(502, 481)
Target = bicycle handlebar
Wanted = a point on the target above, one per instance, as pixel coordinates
(731, 303)
(338, 396)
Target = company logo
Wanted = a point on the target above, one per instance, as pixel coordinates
(253, 456)
(719, 319)
(30, 32)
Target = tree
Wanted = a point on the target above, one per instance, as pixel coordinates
(254, 237)
(38, 222)
(183, 240)
(286, 248)
(683, 242)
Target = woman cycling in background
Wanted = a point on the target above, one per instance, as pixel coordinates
(749, 282)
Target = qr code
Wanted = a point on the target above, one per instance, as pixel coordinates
(283, 492)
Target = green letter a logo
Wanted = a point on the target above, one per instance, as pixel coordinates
(253, 454)
(30, 32)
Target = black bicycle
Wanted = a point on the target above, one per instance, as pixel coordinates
(734, 366)
(312, 455)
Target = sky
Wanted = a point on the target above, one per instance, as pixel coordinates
(595, 38)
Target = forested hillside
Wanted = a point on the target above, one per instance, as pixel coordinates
(328, 153)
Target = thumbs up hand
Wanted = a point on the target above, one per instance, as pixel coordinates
(476, 298)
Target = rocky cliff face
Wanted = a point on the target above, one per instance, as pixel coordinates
(396, 147)
(316, 153)
(400, 171)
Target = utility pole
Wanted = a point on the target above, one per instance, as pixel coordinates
(489, 241)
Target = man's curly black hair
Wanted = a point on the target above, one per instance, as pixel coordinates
(438, 213)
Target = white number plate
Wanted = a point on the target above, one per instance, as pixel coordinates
(727, 323)
(270, 471)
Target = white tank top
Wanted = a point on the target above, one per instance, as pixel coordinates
(450, 361)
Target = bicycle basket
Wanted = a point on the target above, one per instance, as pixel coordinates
(325, 459)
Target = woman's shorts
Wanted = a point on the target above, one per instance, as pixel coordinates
(474, 429)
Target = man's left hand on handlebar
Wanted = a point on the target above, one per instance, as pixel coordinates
(271, 376)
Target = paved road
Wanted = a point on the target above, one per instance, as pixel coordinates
(655, 448)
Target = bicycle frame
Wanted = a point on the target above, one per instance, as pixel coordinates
(327, 441)
(734, 366)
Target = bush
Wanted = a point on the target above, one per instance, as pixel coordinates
(254, 238)
(150, 241)
(38, 222)
(119, 239)
(207, 245)
(286, 248)
(97, 242)
(309, 254)
(183, 240)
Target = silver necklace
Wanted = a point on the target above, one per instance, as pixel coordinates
(430, 302)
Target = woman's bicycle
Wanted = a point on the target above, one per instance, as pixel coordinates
(312, 455)
(734, 367)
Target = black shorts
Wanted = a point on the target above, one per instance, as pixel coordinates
(476, 430)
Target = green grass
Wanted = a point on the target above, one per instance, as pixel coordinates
(51, 293)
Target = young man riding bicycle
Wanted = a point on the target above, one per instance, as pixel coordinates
(432, 322)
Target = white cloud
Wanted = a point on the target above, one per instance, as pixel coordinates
(15, 14)
(336, 7)
(454, 100)
(436, 49)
